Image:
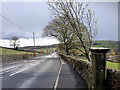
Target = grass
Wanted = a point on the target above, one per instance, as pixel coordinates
(108, 63)
(106, 44)
(113, 65)
(13, 52)
(11, 55)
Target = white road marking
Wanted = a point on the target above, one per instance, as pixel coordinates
(31, 65)
(27, 83)
(19, 71)
(12, 62)
(63, 62)
(11, 67)
(25, 61)
(9, 70)
(56, 83)
(42, 60)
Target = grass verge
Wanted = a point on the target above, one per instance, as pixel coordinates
(11, 55)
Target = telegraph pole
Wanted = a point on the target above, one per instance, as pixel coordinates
(34, 43)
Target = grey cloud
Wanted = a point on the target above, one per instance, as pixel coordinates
(35, 16)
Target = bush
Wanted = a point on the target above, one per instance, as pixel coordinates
(25, 56)
(16, 48)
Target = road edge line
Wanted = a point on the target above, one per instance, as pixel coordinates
(56, 82)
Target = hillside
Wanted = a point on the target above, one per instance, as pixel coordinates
(11, 55)
(107, 44)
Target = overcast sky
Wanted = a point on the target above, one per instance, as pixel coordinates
(34, 16)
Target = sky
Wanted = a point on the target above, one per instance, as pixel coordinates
(119, 21)
(34, 16)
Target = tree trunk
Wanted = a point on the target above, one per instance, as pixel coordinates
(14, 45)
(88, 57)
(67, 51)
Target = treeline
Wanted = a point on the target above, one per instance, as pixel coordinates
(39, 47)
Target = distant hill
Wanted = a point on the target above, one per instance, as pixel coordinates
(107, 44)
(40, 47)
(37, 47)
(99, 43)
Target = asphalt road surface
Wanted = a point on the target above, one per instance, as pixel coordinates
(41, 72)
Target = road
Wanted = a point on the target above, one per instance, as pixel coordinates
(41, 72)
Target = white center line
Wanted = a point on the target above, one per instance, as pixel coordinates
(19, 71)
(8, 68)
(33, 64)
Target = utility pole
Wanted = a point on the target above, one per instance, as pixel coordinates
(34, 43)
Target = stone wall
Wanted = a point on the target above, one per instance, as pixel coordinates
(83, 68)
(113, 79)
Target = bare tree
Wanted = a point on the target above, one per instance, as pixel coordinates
(80, 18)
(60, 29)
(14, 42)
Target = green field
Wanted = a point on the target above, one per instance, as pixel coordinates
(113, 45)
(5, 51)
(108, 63)
(113, 65)
(107, 44)
(11, 55)
(13, 52)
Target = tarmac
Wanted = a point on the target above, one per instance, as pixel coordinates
(70, 78)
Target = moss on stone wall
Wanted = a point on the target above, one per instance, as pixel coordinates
(113, 79)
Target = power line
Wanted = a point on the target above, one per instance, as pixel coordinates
(23, 29)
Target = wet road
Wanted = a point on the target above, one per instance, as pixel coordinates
(41, 72)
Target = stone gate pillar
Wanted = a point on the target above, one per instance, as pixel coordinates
(98, 67)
